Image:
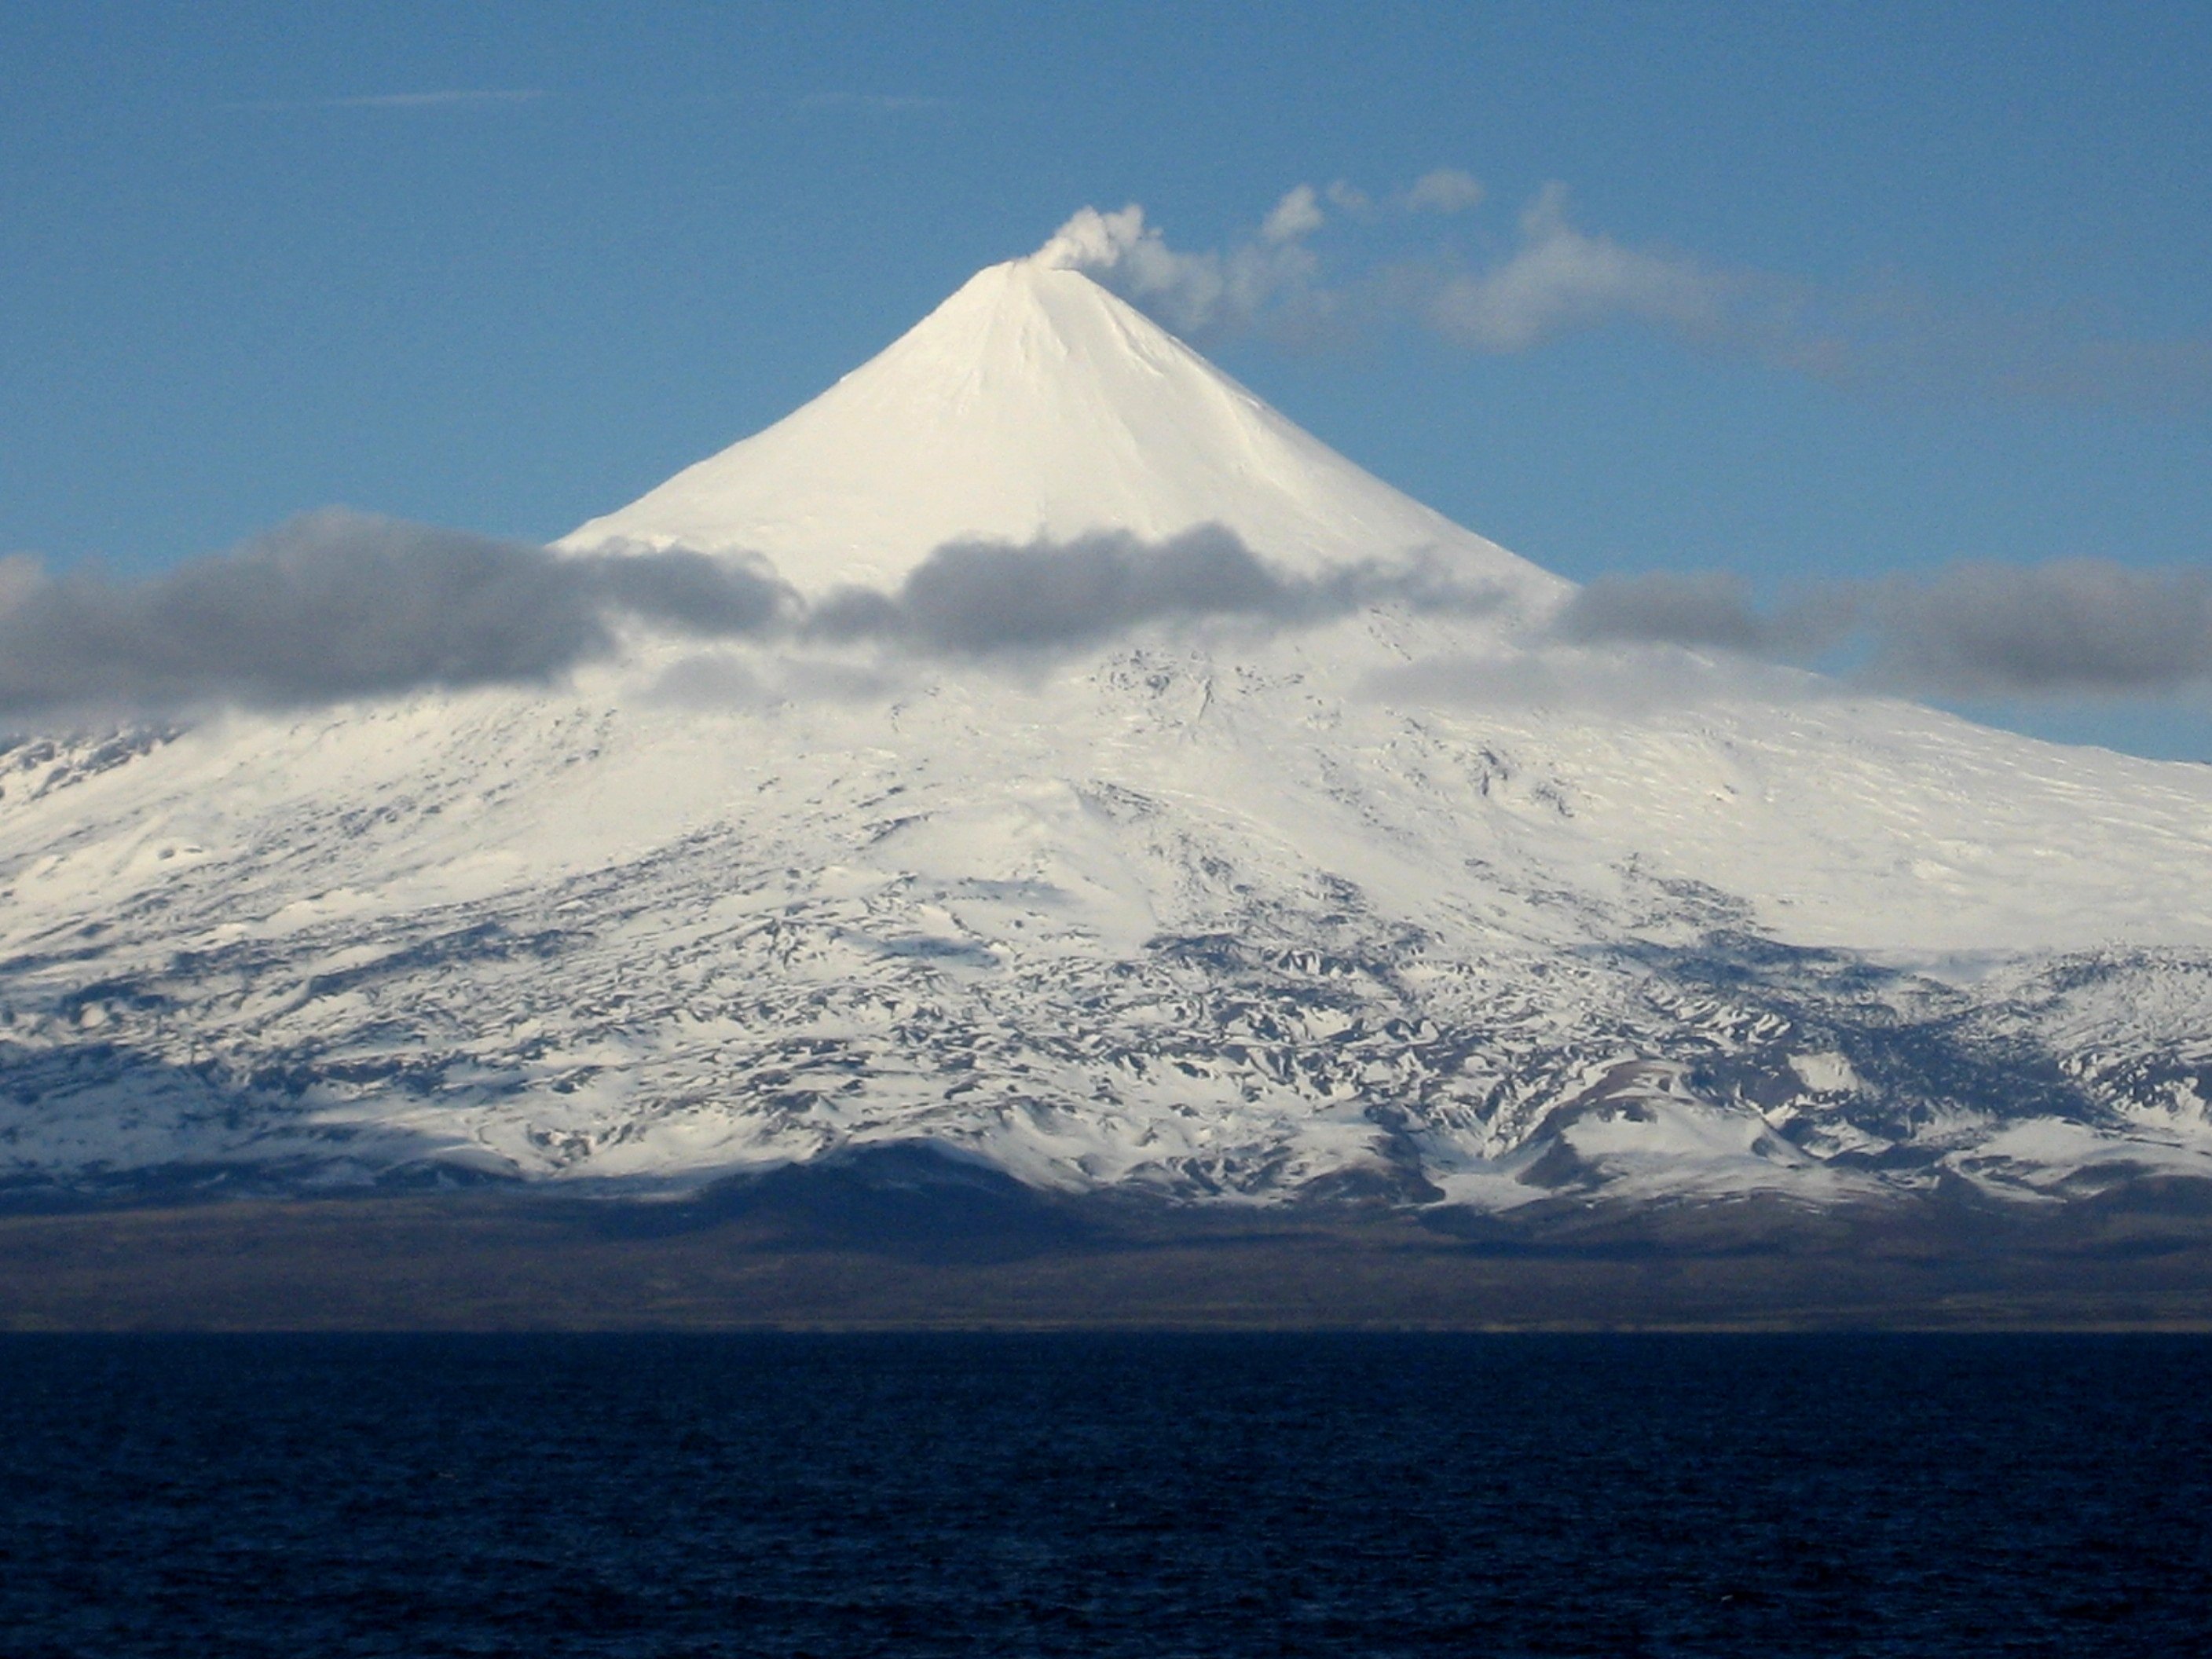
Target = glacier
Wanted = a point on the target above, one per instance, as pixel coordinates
(1398, 903)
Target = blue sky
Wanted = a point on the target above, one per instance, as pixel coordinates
(503, 268)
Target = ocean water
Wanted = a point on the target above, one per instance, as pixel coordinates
(1105, 1495)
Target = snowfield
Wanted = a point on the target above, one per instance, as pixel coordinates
(1394, 900)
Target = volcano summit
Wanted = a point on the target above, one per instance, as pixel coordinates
(1292, 858)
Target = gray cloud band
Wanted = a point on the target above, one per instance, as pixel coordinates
(337, 605)
(340, 605)
(2071, 628)
(980, 599)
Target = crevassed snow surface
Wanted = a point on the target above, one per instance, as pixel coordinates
(1400, 904)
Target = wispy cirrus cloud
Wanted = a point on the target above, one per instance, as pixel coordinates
(878, 103)
(441, 98)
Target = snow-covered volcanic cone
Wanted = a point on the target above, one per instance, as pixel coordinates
(1034, 405)
(1352, 886)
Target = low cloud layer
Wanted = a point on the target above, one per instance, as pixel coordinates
(340, 605)
(2078, 628)
(1548, 277)
(337, 605)
(2081, 627)
(1706, 611)
(982, 598)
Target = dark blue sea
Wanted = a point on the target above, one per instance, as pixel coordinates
(1105, 1495)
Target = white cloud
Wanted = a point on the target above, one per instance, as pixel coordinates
(1447, 189)
(1195, 292)
(1093, 241)
(1559, 279)
(1554, 278)
(1296, 214)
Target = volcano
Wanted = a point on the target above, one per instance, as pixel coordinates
(1386, 901)
(1033, 406)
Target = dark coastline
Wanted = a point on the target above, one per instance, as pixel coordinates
(848, 1252)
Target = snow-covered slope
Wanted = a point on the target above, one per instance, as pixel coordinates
(1389, 901)
(1034, 405)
